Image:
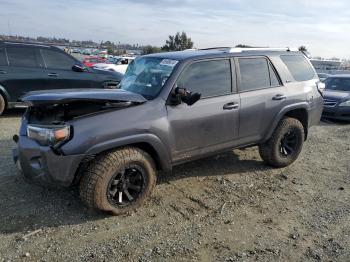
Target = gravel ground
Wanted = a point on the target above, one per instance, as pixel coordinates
(225, 208)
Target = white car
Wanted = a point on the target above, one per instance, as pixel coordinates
(119, 65)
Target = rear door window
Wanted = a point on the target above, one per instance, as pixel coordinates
(57, 60)
(23, 56)
(209, 78)
(3, 58)
(254, 73)
(299, 67)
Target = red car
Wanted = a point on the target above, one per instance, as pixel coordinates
(90, 61)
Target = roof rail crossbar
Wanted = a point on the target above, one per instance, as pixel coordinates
(216, 48)
(247, 49)
(278, 49)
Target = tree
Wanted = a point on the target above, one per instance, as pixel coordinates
(148, 49)
(302, 48)
(178, 42)
(243, 46)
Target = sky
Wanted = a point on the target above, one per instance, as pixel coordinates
(322, 26)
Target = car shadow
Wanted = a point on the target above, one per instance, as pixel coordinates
(26, 207)
(331, 121)
(14, 112)
(219, 165)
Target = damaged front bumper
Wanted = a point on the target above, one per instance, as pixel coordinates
(40, 165)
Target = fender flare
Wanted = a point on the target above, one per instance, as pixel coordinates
(283, 112)
(163, 156)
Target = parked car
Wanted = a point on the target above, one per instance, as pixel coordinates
(75, 50)
(171, 108)
(337, 97)
(118, 65)
(92, 60)
(26, 67)
(323, 76)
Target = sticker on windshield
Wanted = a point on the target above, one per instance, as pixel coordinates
(168, 62)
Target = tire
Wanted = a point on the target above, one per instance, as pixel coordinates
(118, 182)
(285, 144)
(2, 104)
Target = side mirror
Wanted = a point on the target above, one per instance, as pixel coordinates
(182, 95)
(78, 68)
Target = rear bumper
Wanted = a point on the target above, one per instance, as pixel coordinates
(42, 166)
(340, 113)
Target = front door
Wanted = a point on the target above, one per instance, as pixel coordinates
(210, 124)
(60, 73)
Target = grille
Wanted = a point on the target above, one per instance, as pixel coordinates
(330, 102)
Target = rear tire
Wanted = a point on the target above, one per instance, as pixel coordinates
(2, 104)
(285, 144)
(118, 182)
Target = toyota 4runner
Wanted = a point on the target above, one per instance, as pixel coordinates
(170, 108)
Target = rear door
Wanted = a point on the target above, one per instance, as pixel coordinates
(212, 123)
(59, 71)
(25, 71)
(262, 97)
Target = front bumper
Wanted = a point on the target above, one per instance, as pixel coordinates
(42, 166)
(337, 112)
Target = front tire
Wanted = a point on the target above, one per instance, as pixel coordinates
(285, 144)
(118, 182)
(2, 104)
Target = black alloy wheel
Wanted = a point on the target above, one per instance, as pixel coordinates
(126, 186)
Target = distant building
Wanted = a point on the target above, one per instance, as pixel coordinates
(322, 64)
(332, 67)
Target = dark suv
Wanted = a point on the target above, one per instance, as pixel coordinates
(171, 108)
(26, 67)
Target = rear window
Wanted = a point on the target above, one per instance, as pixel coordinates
(299, 67)
(256, 73)
(23, 56)
(3, 59)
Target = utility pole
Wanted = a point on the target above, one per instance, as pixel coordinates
(8, 26)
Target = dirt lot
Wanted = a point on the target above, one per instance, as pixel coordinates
(226, 208)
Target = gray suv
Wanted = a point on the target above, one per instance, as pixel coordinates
(170, 108)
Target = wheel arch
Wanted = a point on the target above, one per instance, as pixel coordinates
(298, 111)
(146, 142)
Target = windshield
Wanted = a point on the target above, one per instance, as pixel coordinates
(340, 84)
(147, 75)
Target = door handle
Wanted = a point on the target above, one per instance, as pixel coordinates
(279, 97)
(230, 106)
(3, 72)
(52, 74)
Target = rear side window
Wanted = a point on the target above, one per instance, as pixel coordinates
(298, 67)
(23, 56)
(3, 59)
(57, 60)
(254, 73)
(209, 78)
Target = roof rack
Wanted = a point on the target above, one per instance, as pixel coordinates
(247, 49)
(25, 43)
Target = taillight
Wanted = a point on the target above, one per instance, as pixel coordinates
(320, 87)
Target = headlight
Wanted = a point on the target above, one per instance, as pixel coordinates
(345, 103)
(48, 135)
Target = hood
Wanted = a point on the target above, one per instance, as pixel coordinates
(62, 96)
(336, 94)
